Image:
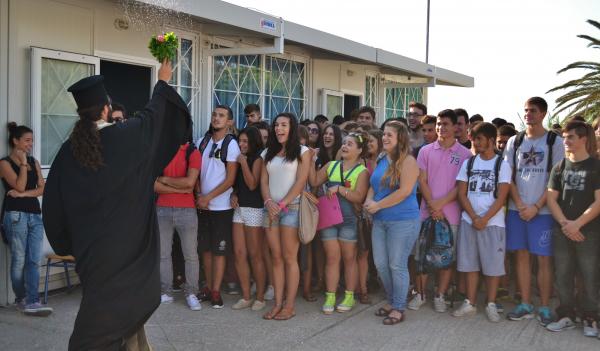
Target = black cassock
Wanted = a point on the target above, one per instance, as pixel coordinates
(107, 220)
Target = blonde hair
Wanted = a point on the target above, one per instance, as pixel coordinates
(397, 156)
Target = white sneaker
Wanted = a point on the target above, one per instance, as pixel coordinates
(417, 301)
(590, 328)
(491, 312)
(166, 298)
(258, 305)
(439, 304)
(270, 293)
(466, 309)
(193, 302)
(564, 323)
(241, 304)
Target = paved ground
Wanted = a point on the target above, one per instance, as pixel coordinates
(175, 327)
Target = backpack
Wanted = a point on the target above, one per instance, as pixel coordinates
(224, 145)
(435, 246)
(497, 165)
(550, 139)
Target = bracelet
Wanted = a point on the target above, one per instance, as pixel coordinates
(267, 200)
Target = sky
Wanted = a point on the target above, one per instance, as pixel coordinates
(513, 48)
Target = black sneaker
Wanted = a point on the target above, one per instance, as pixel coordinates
(216, 301)
(204, 295)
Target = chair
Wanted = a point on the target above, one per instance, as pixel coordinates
(60, 261)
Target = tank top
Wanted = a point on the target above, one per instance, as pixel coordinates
(247, 197)
(337, 175)
(404, 210)
(22, 204)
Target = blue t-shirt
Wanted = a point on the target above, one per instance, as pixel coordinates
(406, 210)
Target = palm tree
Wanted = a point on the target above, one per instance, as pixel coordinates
(583, 95)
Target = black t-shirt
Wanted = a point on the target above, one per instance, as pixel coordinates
(22, 204)
(467, 144)
(247, 197)
(576, 182)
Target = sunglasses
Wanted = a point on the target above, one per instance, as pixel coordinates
(313, 130)
(357, 136)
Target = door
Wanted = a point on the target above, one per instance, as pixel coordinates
(351, 103)
(127, 84)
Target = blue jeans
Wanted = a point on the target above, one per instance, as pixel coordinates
(25, 233)
(393, 242)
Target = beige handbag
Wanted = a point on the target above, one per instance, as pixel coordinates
(309, 217)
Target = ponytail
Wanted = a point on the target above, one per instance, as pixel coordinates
(16, 132)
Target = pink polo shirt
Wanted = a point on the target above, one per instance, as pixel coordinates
(442, 166)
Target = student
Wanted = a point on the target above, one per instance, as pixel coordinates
(263, 128)
(252, 113)
(176, 210)
(314, 134)
(392, 201)
(366, 117)
(462, 127)
(504, 134)
(118, 112)
(483, 185)
(416, 111)
(529, 223)
(322, 120)
(23, 182)
(283, 178)
(429, 134)
(439, 163)
(349, 180)
(574, 199)
(247, 220)
(216, 181)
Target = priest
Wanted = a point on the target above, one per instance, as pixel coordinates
(99, 206)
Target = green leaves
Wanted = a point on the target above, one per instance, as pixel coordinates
(164, 46)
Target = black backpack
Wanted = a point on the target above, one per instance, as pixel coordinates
(224, 145)
(497, 165)
(550, 139)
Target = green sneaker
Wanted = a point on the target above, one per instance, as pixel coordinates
(348, 302)
(329, 304)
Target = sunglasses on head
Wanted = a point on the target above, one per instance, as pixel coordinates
(357, 136)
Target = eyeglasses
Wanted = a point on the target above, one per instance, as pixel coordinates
(313, 130)
(214, 152)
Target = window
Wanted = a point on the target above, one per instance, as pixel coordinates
(284, 87)
(53, 108)
(236, 83)
(397, 100)
(184, 78)
(371, 92)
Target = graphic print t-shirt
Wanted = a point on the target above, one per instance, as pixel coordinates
(531, 175)
(481, 187)
(576, 184)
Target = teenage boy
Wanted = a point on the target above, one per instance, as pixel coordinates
(504, 134)
(416, 111)
(529, 223)
(483, 186)
(366, 117)
(574, 200)
(439, 163)
(216, 215)
(176, 210)
(252, 112)
(428, 131)
(462, 127)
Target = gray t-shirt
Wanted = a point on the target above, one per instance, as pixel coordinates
(531, 177)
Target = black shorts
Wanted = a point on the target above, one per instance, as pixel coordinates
(214, 231)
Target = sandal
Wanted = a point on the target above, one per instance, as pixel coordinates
(393, 320)
(272, 313)
(382, 312)
(284, 314)
(309, 297)
(364, 298)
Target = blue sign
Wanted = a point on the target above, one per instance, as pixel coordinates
(268, 24)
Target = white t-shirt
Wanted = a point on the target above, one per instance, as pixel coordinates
(481, 187)
(214, 172)
(282, 174)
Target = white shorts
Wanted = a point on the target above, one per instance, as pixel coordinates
(248, 216)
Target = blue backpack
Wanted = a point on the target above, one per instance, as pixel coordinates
(434, 246)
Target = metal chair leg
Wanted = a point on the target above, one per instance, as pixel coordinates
(66, 265)
(46, 281)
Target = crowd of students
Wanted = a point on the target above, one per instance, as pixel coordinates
(515, 204)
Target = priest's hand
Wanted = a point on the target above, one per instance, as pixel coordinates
(165, 72)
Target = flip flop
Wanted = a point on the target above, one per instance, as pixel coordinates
(382, 312)
(271, 314)
(393, 320)
(284, 315)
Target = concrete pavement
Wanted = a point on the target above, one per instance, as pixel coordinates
(175, 327)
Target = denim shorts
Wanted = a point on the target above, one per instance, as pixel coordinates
(290, 218)
(345, 231)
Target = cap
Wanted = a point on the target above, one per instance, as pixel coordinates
(89, 92)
